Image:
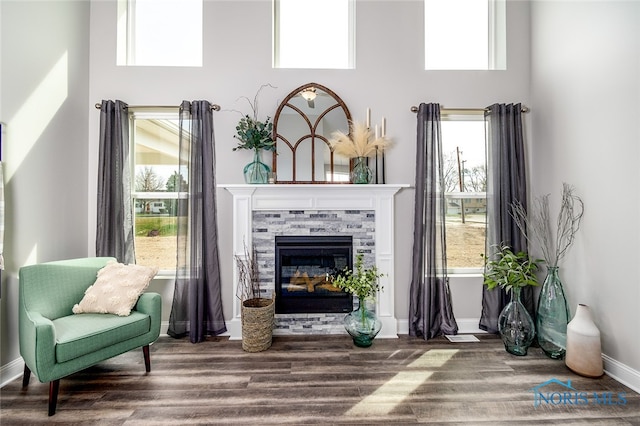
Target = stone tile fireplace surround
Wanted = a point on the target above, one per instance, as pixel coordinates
(365, 211)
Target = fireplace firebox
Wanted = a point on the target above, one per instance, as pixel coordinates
(303, 265)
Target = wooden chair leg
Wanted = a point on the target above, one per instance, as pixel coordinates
(147, 359)
(26, 376)
(54, 386)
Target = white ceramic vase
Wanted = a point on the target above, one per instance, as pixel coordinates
(584, 352)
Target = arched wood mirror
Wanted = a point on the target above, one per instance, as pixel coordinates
(302, 127)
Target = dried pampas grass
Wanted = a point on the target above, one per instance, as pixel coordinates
(357, 144)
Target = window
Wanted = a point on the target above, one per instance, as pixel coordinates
(156, 186)
(465, 34)
(301, 39)
(160, 32)
(463, 146)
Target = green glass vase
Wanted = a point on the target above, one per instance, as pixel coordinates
(515, 326)
(362, 325)
(361, 173)
(553, 316)
(256, 172)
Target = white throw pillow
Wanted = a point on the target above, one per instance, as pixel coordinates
(116, 290)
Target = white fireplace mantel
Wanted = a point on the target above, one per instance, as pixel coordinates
(379, 198)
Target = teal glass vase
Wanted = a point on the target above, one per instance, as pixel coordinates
(553, 316)
(256, 172)
(362, 325)
(515, 326)
(361, 173)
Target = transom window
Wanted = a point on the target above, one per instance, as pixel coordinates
(314, 34)
(160, 32)
(465, 34)
(158, 186)
(465, 175)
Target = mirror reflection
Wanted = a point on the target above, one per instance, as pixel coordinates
(302, 127)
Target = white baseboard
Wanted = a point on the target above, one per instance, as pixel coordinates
(469, 326)
(403, 326)
(11, 371)
(621, 373)
(465, 326)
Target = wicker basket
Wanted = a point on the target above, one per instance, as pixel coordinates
(257, 324)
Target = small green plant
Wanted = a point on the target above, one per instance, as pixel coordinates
(360, 282)
(253, 133)
(508, 269)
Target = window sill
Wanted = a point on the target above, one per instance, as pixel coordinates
(464, 274)
(165, 274)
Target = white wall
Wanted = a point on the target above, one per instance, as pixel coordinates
(389, 78)
(586, 100)
(44, 87)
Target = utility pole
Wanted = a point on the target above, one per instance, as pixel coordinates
(460, 175)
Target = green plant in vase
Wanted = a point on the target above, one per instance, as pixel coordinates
(512, 271)
(255, 135)
(553, 311)
(361, 324)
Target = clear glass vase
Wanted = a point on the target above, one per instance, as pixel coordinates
(362, 325)
(361, 173)
(256, 171)
(515, 325)
(553, 316)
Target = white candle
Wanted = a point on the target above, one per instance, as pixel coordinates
(376, 132)
(383, 132)
(368, 118)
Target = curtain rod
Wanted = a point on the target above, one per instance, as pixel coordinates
(214, 107)
(465, 110)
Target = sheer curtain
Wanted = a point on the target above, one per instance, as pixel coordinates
(1, 212)
(506, 183)
(430, 310)
(114, 229)
(197, 300)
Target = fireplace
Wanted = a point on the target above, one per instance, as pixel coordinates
(366, 212)
(303, 265)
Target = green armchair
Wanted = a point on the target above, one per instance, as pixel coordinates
(55, 342)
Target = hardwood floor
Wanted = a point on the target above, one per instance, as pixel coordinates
(325, 380)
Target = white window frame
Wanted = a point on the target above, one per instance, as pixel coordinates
(496, 37)
(150, 113)
(126, 37)
(276, 37)
(464, 115)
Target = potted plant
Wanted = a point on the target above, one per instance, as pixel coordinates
(512, 271)
(362, 324)
(255, 135)
(257, 312)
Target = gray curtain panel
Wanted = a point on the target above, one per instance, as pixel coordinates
(506, 183)
(114, 233)
(197, 299)
(430, 309)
